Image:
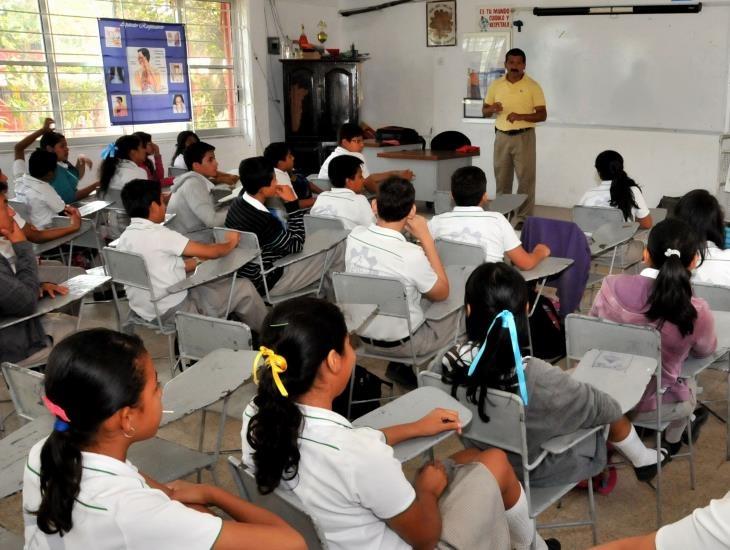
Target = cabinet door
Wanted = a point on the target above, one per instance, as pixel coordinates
(339, 96)
(300, 101)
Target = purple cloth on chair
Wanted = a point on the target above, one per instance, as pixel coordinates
(565, 240)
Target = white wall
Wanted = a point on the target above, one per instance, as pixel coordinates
(412, 85)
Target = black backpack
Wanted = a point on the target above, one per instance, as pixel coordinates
(547, 330)
(367, 386)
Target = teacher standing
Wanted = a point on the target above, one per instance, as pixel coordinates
(519, 103)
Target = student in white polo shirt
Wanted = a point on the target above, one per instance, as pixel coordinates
(347, 477)
(34, 188)
(469, 223)
(170, 255)
(345, 200)
(280, 156)
(381, 249)
(617, 190)
(351, 141)
(705, 216)
(79, 490)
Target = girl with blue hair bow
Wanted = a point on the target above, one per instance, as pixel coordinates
(555, 403)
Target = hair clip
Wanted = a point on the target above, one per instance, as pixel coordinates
(508, 322)
(672, 252)
(109, 151)
(62, 422)
(275, 362)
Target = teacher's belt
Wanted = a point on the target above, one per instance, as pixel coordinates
(513, 132)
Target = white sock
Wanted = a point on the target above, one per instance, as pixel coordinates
(521, 527)
(634, 449)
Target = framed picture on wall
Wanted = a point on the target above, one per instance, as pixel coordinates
(441, 23)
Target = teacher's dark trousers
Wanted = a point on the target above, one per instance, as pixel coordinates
(514, 152)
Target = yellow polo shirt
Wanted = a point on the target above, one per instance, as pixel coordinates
(521, 97)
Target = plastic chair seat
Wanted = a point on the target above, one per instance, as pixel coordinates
(166, 461)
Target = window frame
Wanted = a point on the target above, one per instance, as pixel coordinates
(243, 100)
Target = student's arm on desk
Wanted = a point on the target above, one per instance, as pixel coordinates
(643, 542)
(35, 235)
(527, 260)
(418, 227)
(646, 222)
(211, 251)
(86, 191)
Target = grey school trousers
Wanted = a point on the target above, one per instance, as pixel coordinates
(515, 154)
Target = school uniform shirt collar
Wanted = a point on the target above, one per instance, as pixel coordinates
(385, 232)
(649, 272)
(30, 181)
(255, 203)
(320, 416)
(141, 223)
(605, 184)
(712, 245)
(104, 464)
(342, 191)
(468, 209)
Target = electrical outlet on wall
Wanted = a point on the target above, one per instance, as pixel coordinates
(273, 45)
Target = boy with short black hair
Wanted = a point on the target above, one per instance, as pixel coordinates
(248, 213)
(469, 223)
(280, 156)
(170, 255)
(345, 201)
(191, 200)
(381, 249)
(35, 190)
(350, 139)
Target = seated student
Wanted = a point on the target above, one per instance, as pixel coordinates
(557, 403)
(121, 164)
(248, 213)
(280, 156)
(468, 222)
(661, 296)
(184, 140)
(705, 216)
(170, 255)
(707, 528)
(345, 201)
(29, 342)
(155, 169)
(351, 142)
(66, 178)
(617, 190)
(191, 201)
(32, 233)
(79, 490)
(348, 478)
(35, 190)
(381, 249)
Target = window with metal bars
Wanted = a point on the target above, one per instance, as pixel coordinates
(51, 64)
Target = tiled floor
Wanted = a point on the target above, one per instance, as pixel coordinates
(629, 510)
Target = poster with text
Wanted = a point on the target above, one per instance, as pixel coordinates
(146, 71)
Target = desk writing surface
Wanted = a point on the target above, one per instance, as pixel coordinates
(428, 154)
(547, 268)
(457, 276)
(722, 327)
(506, 203)
(14, 449)
(622, 376)
(78, 287)
(210, 270)
(89, 208)
(315, 243)
(61, 221)
(411, 407)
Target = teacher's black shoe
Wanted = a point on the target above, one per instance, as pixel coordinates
(701, 416)
(648, 472)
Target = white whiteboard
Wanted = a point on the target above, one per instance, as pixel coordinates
(654, 71)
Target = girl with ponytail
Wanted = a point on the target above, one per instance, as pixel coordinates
(121, 162)
(79, 491)
(617, 190)
(555, 403)
(661, 296)
(347, 477)
(184, 140)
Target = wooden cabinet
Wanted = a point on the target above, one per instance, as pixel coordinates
(319, 96)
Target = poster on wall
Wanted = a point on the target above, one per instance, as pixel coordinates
(146, 71)
(484, 57)
(494, 19)
(441, 23)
